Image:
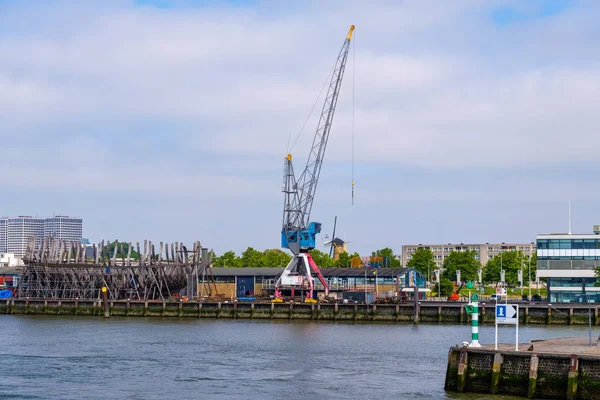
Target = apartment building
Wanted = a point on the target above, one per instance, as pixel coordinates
(483, 251)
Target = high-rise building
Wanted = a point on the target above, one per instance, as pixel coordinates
(3, 235)
(16, 231)
(483, 251)
(64, 228)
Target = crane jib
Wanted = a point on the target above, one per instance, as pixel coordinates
(298, 233)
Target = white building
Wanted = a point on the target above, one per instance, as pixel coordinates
(16, 231)
(9, 260)
(568, 262)
(64, 228)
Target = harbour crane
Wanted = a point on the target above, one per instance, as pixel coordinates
(298, 233)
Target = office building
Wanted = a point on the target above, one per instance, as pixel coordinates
(3, 223)
(16, 231)
(568, 262)
(483, 252)
(64, 228)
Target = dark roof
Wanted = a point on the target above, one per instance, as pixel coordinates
(383, 272)
(220, 271)
(327, 272)
(338, 241)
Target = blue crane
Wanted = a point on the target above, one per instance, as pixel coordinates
(298, 233)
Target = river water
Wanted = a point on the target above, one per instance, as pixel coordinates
(152, 358)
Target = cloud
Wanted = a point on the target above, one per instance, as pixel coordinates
(179, 97)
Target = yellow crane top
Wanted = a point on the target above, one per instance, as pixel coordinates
(349, 37)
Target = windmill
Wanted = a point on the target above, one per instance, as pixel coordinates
(336, 245)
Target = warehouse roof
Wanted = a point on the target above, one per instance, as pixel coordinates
(220, 271)
(381, 272)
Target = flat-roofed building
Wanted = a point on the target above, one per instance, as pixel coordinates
(568, 261)
(64, 228)
(16, 231)
(484, 251)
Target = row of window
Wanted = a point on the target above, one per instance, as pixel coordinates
(544, 244)
(490, 249)
(567, 258)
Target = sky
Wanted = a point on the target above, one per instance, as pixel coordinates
(169, 120)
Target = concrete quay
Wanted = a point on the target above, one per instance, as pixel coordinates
(425, 311)
(566, 368)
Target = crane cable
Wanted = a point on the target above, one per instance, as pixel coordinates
(353, 85)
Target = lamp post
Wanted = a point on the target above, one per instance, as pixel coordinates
(589, 319)
(529, 268)
(428, 276)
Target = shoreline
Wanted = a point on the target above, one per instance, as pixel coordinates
(435, 312)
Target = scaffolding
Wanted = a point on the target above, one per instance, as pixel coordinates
(60, 269)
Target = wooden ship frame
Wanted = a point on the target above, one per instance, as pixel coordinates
(60, 269)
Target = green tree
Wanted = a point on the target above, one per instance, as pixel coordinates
(252, 258)
(422, 260)
(389, 259)
(343, 261)
(228, 259)
(446, 286)
(321, 259)
(276, 258)
(465, 262)
(110, 248)
(511, 262)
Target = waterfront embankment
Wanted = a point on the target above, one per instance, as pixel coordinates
(565, 368)
(443, 312)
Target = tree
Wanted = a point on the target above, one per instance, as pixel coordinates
(252, 258)
(511, 262)
(343, 261)
(276, 258)
(321, 259)
(446, 287)
(355, 260)
(228, 259)
(110, 248)
(422, 260)
(465, 262)
(389, 259)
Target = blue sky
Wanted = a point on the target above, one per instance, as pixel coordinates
(169, 120)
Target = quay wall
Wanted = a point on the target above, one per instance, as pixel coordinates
(425, 312)
(525, 374)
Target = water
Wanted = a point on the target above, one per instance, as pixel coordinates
(146, 358)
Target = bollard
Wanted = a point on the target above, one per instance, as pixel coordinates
(105, 302)
(533, 370)
(496, 368)
(573, 378)
(461, 375)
